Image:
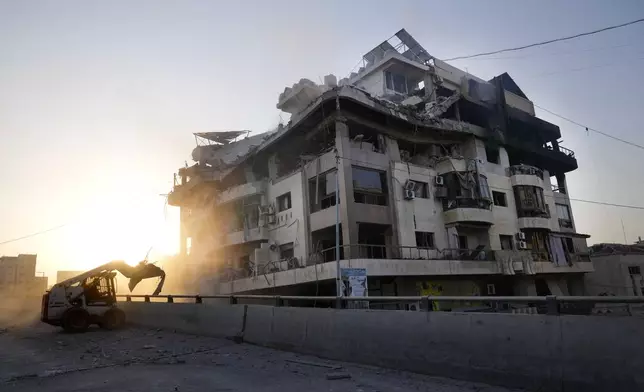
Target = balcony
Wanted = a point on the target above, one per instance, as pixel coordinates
(565, 223)
(468, 210)
(239, 191)
(367, 251)
(526, 175)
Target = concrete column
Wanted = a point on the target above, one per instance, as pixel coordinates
(561, 182)
(250, 176)
(182, 231)
(504, 160)
(272, 166)
(525, 287)
(345, 179)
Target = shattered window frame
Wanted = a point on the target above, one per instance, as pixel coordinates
(391, 82)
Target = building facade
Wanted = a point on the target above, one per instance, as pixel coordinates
(437, 182)
(18, 275)
(618, 270)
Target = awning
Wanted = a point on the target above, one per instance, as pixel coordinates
(223, 137)
(568, 234)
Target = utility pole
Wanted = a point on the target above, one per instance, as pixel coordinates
(338, 283)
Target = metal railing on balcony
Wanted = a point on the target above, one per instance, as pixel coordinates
(525, 170)
(450, 204)
(366, 251)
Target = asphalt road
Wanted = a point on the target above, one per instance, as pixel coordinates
(37, 357)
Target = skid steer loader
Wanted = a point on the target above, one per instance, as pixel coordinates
(90, 298)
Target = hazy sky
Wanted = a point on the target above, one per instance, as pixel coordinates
(98, 99)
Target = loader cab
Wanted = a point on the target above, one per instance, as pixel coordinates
(100, 290)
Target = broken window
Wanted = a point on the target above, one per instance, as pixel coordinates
(506, 242)
(530, 202)
(421, 190)
(286, 251)
(499, 199)
(365, 138)
(462, 242)
(396, 82)
(284, 202)
(424, 239)
(369, 186)
(492, 153)
(322, 191)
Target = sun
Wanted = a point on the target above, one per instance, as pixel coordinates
(119, 233)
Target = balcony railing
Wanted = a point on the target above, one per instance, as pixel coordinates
(450, 204)
(534, 212)
(366, 251)
(565, 223)
(566, 151)
(525, 170)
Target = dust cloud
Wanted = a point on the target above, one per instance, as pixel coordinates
(18, 311)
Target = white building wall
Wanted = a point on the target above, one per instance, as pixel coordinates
(289, 225)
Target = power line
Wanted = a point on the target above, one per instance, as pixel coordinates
(548, 41)
(589, 128)
(556, 53)
(34, 234)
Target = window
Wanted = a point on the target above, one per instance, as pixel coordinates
(634, 270)
(530, 202)
(421, 190)
(491, 289)
(286, 251)
(563, 212)
(570, 246)
(462, 242)
(506, 242)
(284, 202)
(396, 82)
(499, 199)
(369, 186)
(322, 191)
(492, 153)
(424, 239)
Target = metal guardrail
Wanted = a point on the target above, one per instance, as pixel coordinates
(552, 305)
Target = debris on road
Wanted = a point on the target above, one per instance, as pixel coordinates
(309, 363)
(338, 376)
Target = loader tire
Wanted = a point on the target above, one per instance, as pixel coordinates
(113, 319)
(75, 320)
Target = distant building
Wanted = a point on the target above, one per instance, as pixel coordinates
(19, 273)
(618, 270)
(64, 275)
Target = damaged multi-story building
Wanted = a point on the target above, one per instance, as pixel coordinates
(437, 181)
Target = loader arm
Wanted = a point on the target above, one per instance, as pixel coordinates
(136, 274)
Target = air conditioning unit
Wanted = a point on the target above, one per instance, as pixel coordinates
(523, 245)
(414, 307)
(440, 193)
(438, 180)
(410, 185)
(521, 236)
(410, 195)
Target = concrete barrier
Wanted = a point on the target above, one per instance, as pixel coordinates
(201, 319)
(552, 353)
